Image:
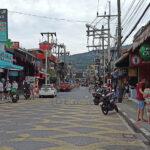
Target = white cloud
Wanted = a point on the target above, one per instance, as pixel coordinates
(27, 29)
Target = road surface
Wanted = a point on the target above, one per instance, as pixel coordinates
(68, 122)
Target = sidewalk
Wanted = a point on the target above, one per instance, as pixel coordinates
(128, 110)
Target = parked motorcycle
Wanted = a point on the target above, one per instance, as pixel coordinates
(14, 96)
(98, 95)
(108, 103)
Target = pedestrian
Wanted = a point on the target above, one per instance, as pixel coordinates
(36, 90)
(7, 89)
(141, 103)
(15, 85)
(147, 100)
(126, 92)
(1, 90)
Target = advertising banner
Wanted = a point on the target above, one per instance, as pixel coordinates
(45, 46)
(4, 56)
(3, 25)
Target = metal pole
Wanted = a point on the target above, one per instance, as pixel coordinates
(64, 53)
(103, 55)
(46, 55)
(108, 52)
(46, 62)
(119, 30)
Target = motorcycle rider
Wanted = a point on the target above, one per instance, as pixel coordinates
(26, 87)
(15, 85)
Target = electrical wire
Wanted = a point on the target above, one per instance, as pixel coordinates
(50, 18)
(141, 17)
(126, 26)
(129, 8)
(133, 13)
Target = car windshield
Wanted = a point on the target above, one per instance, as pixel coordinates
(46, 86)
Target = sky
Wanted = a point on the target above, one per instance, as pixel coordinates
(26, 29)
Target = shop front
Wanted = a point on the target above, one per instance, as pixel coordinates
(7, 68)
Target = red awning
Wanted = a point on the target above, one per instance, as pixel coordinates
(53, 59)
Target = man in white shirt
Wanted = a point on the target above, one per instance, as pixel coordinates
(7, 89)
(1, 90)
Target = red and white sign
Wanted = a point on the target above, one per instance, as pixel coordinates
(135, 60)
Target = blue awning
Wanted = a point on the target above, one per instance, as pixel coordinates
(9, 66)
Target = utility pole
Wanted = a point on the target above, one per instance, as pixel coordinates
(104, 56)
(108, 52)
(119, 30)
(48, 34)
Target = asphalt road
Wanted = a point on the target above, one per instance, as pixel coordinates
(68, 122)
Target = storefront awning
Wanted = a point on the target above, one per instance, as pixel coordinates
(123, 61)
(10, 66)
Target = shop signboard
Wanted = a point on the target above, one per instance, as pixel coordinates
(13, 73)
(135, 60)
(145, 52)
(3, 25)
(45, 46)
(4, 56)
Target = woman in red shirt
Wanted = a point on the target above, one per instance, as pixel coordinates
(141, 104)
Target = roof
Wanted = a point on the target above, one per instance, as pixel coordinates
(123, 61)
(141, 36)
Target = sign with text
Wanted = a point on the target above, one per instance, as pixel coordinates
(3, 25)
(6, 57)
(145, 52)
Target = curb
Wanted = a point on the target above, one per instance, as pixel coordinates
(131, 123)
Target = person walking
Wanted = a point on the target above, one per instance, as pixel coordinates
(1, 90)
(141, 103)
(147, 100)
(7, 89)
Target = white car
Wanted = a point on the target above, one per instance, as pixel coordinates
(47, 91)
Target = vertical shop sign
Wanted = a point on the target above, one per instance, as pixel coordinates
(3, 25)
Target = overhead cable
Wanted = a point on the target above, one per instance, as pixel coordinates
(46, 17)
(136, 23)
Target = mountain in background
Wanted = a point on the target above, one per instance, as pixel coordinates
(82, 60)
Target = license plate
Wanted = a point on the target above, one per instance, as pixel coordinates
(14, 96)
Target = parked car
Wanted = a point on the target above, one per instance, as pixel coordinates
(65, 87)
(47, 91)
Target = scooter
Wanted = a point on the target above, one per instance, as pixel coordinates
(14, 96)
(27, 93)
(97, 96)
(108, 103)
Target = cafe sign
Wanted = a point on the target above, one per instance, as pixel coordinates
(3, 25)
(145, 52)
